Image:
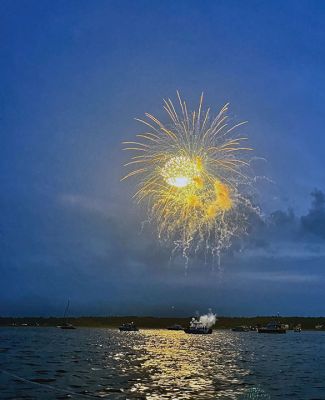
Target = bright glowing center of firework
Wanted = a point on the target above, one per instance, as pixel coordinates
(180, 171)
(179, 181)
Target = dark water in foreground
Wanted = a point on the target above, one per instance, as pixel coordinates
(49, 363)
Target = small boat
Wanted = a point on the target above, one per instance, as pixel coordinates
(66, 324)
(128, 327)
(197, 328)
(242, 328)
(297, 328)
(175, 327)
(272, 327)
(319, 326)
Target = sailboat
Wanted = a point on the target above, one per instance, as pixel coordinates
(66, 324)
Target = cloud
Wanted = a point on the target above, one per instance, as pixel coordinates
(83, 202)
(284, 277)
(79, 245)
(314, 221)
(282, 234)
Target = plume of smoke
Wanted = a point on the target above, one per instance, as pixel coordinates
(208, 319)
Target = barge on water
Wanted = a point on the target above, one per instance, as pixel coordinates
(198, 328)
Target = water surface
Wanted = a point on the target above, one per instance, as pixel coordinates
(49, 363)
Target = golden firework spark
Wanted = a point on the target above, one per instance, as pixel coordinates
(191, 171)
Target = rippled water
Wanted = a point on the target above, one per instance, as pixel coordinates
(49, 363)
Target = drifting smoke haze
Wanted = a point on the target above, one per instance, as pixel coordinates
(208, 320)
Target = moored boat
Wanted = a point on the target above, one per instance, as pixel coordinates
(242, 328)
(66, 324)
(175, 327)
(272, 327)
(198, 328)
(128, 327)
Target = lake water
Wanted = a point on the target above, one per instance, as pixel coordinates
(49, 363)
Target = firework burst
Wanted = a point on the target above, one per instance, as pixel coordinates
(192, 171)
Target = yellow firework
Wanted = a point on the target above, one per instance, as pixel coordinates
(191, 170)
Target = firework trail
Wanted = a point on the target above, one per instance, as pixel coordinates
(192, 173)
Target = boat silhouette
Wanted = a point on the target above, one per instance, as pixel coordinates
(197, 328)
(66, 324)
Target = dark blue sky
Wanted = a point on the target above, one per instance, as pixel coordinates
(74, 74)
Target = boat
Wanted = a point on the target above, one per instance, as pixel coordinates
(272, 327)
(175, 327)
(128, 327)
(297, 328)
(241, 328)
(319, 326)
(66, 324)
(198, 328)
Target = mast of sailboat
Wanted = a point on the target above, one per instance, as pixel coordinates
(66, 310)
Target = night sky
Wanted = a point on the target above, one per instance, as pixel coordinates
(75, 74)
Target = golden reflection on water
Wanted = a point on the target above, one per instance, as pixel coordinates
(180, 366)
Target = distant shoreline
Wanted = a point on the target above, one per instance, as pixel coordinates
(159, 322)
